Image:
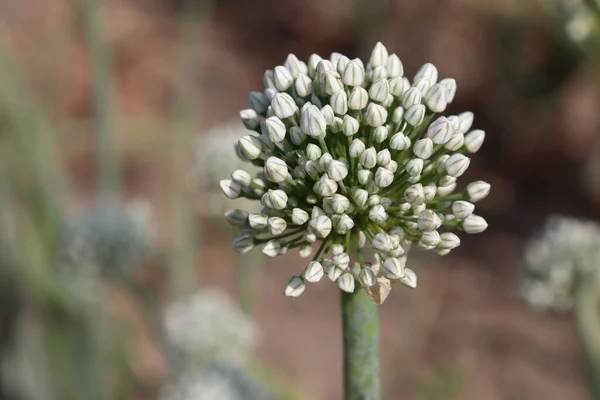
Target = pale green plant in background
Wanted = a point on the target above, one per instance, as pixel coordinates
(562, 273)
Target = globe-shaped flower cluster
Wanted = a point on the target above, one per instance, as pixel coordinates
(563, 256)
(349, 157)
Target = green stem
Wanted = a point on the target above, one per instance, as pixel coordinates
(586, 315)
(360, 324)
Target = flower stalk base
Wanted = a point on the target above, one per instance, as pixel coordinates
(360, 324)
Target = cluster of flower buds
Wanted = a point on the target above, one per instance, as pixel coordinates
(565, 254)
(351, 155)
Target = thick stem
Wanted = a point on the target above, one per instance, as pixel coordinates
(360, 324)
(588, 324)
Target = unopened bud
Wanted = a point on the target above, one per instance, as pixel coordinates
(295, 287)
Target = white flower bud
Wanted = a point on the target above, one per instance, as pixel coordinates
(367, 277)
(456, 142)
(382, 242)
(283, 78)
(334, 273)
(358, 98)
(271, 249)
(276, 225)
(337, 249)
(341, 260)
(392, 166)
(343, 223)
(379, 90)
(356, 148)
(237, 217)
(313, 152)
(325, 160)
(393, 268)
(297, 135)
(340, 203)
(457, 164)
(258, 102)
(276, 199)
(283, 105)
(230, 188)
(327, 112)
(258, 221)
(341, 65)
(462, 209)
(376, 115)
(377, 214)
(440, 163)
(428, 221)
(440, 131)
(364, 176)
(268, 79)
(275, 129)
(335, 57)
(305, 251)
(379, 56)
(337, 125)
(474, 140)
(427, 70)
(337, 170)
(346, 282)
(436, 99)
(250, 119)
(414, 166)
(339, 103)
(384, 157)
(409, 278)
(295, 287)
(312, 169)
(397, 87)
(450, 85)
(394, 66)
(368, 158)
(397, 141)
(374, 200)
(325, 187)
(447, 180)
(411, 97)
(332, 82)
(380, 134)
(250, 146)
(414, 194)
(446, 190)
(313, 272)
(350, 125)
(384, 177)
(242, 244)
(418, 210)
(372, 187)
(276, 170)
(415, 114)
(422, 84)
(360, 197)
(448, 241)
(423, 148)
(465, 121)
(270, 94)
(429, 191)
(322, 68)
(292, 64)
(376, 74)
(310, 237)
(241, 177)
(478, 190)
(474, 224)
(303, 86)
(299, 216)
(354, 74)
(429, 240)
(312, 122)
(321, 226)
(313, 61)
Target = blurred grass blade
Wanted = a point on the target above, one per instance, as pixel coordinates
(183, 123)
(107, 155)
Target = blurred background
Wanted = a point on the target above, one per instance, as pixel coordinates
(117, 120)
